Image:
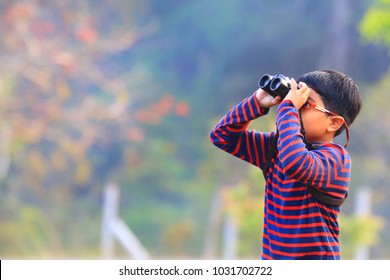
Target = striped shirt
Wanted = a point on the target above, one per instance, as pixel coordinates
(296, 225)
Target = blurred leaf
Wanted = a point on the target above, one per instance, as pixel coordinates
(375, 25)
(359, 232)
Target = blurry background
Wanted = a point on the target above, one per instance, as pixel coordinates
(100, 92)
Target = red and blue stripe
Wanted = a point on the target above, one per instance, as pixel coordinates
(296, 225)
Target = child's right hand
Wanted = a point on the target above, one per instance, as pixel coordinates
(266, 100)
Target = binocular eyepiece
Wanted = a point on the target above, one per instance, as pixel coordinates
(277, 85)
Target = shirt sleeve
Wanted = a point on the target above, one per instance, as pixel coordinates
(327, 168)
(231, 133)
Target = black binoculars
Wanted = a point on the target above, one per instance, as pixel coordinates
(277, 85)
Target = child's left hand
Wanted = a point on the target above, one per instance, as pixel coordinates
(298, 96)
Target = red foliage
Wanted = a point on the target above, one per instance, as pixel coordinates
(17, 12)
(182, 109)
(153, 113)
(87, 35)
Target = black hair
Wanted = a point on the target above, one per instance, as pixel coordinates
(338, 92)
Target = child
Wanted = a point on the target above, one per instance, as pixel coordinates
(297, 225)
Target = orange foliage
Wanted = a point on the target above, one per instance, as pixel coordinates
(17, 12)
(153, 113)
(182, 109)
(87, 35)
(164, 106)
(136, 134)
(43, 28)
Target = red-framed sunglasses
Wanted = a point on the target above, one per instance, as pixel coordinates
(311, 105)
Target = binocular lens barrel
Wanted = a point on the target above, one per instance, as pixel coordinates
(277, 85)
(264, 80)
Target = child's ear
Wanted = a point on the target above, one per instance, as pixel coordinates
(336, 123)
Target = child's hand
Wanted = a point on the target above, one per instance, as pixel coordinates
(266, 100)
(298, 96)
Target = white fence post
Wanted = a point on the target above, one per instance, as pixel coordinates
(230, 234)
(115, 228)
(216, 211)
(110, 208)
(363, 208)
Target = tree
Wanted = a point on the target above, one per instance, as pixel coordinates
(375, 26)
(72, 114)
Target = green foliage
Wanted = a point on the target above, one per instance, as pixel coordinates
(359, 232)
(128, 91)
(370, 154)
(375, 25)
(244, 202)
(24, 232)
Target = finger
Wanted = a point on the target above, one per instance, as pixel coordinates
(276, 100)
(293, 84)
(302, 85)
